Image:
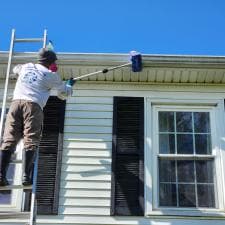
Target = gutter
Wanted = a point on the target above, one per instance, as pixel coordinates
(108, 59)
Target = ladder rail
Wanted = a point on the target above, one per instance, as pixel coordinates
(45, 38)
(33, 207)
(6, 84)
(33, 210)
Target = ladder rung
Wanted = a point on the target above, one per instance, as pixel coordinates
(28, 40)
(17, 55)
(13, 187)
(16, 161)
(11, 215)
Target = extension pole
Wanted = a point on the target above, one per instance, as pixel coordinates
(101, 71)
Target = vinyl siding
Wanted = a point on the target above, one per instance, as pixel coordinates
(9, 94)
(86, 165)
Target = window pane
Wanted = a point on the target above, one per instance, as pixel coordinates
(206, 196)
(185, 144)
(167, 196)
(186, 195)
(184, 121)
(166, 143)
(167, 171)
(204, 171)
(201, 122)
(203, 144)
(185, 171)
(166, 121)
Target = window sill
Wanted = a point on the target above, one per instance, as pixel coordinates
(187, 214)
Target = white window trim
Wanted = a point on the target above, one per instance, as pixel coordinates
(216, 107)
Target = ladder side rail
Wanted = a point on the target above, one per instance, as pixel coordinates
(33, 207)
(45, 38)
(6, 84)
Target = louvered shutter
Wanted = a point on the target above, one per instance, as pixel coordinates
(128, 157)
(50, 155)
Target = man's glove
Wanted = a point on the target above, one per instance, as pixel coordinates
(69, 85)
(69, 90)
(70, 82)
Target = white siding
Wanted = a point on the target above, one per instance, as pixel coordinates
(9, 93)
(86, 165)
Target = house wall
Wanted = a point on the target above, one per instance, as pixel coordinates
(86, 166)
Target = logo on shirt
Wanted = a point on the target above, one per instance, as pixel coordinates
(30, 77)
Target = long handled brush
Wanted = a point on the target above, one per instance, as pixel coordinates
(136, 66)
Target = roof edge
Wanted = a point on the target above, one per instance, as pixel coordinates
(113, 59)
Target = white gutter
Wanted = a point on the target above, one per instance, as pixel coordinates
(102, 59)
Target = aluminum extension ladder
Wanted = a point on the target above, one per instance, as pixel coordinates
(33, 204)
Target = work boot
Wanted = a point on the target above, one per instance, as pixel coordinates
(5, 160)
(28, 167)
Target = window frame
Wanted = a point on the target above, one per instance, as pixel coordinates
(153, 106)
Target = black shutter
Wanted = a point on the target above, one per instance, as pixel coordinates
(128, 157)
(50, 157)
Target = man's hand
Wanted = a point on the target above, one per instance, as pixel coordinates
(69, 90)
(70, 82)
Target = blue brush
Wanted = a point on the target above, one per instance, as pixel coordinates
(136, 61)
(136, 66)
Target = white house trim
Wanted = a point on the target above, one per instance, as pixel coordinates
(151, 161)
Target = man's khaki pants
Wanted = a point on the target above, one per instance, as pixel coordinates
(24, 120)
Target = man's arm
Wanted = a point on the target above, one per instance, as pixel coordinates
(16, 71)
(63, 88)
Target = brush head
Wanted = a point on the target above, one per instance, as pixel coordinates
(136, 61)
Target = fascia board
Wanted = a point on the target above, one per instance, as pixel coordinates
(102, 59)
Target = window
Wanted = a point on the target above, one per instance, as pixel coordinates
(185, 164)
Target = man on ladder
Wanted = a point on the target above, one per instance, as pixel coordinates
(25, 116)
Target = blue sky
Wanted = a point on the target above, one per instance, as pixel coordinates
(190, 27)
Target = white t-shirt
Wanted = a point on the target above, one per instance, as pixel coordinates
(35, 82)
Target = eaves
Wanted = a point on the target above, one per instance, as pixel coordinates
(156, 68)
